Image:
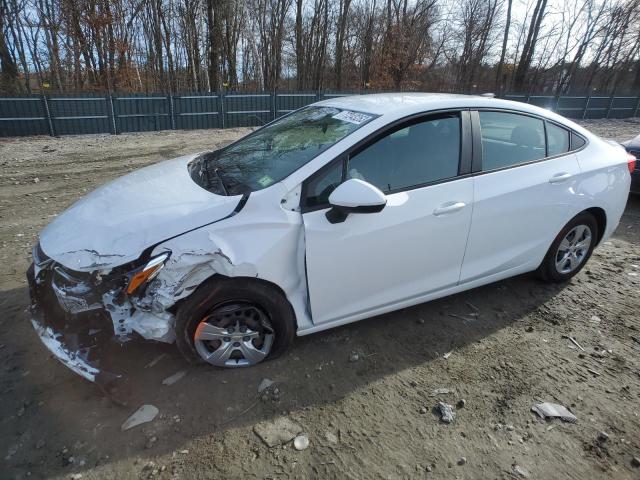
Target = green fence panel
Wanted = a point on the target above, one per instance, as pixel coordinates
(197, 110)
(142, 113)
(72, 114)
(287, 102)
(20, 116)
(247, 109)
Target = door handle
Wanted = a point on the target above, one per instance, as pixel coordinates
(560, 177)
(450, 207)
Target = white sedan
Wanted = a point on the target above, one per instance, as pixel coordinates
(339, 211)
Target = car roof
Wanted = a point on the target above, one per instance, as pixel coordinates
(410, 103)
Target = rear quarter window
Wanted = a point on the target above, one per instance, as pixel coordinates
(557, 140)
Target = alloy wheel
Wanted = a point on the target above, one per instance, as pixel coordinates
(573, 249)
(235, 334)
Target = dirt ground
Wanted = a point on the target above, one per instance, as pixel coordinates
(363, 393)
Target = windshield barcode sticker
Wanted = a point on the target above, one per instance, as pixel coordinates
(352, 117)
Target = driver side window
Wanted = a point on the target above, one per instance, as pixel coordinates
(421, 152)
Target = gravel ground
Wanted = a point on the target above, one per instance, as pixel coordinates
(364, 394)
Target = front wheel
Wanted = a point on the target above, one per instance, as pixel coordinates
(234, 323)
(570, 250)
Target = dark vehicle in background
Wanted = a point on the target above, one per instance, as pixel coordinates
(633, 147)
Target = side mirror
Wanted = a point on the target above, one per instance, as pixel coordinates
(354, 196)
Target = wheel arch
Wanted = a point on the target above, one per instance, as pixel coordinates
(218, 277)
(601, 219)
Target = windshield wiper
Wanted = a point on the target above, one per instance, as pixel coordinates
(219, 175)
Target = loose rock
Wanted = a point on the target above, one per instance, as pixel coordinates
(518, 471)
(354, 357)
(462, 461)
(331, 437)
(301, 442)
(265, 384)
(447, 415)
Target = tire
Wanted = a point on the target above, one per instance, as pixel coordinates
(548, 270)
(220, 293)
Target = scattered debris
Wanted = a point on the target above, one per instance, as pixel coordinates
(462, 461)
(518, 471)
(331, 438)
(463, 318)
(529, 329)
(461, 403)
(595, 319)
(144, 414)
(421, 321)
(75, 476)
(301, 442)
(635, 461)
(155, 360)
(265, 384)
(151, 441)
(423, 410)
(591, 370)
(448, 354)
(278, 431)
(36, 180)
(442, 391)
(602, 437)
(574, 341)
(354, 357)
(447, 415)
(174, 378)
(553, 410)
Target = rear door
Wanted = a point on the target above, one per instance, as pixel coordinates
(371, 262)
(524, 187)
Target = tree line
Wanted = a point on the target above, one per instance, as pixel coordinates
(524, 46)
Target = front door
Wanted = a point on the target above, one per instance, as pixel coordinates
(415, 245)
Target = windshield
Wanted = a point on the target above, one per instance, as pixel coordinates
(275, 151)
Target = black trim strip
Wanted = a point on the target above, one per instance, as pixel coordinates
(466, 148)
(146, 253)
(477, 142)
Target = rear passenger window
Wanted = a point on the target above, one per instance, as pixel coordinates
(557, 140)
(510, 139)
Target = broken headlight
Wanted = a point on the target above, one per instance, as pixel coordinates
(143, 275)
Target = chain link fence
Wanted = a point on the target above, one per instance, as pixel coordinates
(86, 114)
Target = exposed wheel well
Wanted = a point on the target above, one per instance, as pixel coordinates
(218, 277)
(601, 219)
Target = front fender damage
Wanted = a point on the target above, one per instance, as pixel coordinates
(184, 271)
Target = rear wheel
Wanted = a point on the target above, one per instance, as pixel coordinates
(234, 323)
(571, 249)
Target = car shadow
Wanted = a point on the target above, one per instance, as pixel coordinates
(57, 422)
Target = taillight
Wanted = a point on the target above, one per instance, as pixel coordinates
(631, 162)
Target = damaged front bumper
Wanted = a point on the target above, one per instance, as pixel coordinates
(77, 340)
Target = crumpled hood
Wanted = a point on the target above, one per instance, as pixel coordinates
(113, 224)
